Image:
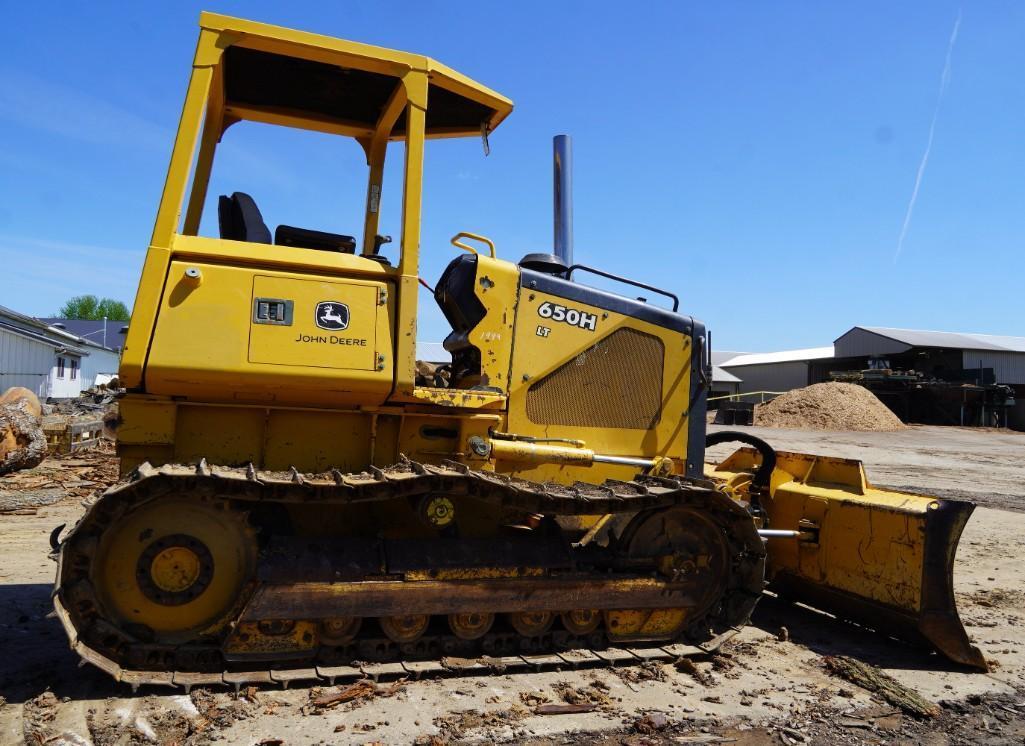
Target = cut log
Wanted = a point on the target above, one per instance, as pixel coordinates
(17, 393)
(111, 421)
(22, 441)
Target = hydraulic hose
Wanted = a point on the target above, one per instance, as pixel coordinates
(762, 476)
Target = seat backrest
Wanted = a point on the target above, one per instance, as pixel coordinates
(239, 219)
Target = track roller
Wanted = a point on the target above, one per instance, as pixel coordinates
(581, 621)
(470, 626)
(405, 628)
(532, 623)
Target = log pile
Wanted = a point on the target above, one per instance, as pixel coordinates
(77, 476)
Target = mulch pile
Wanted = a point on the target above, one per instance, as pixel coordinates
(828, 406)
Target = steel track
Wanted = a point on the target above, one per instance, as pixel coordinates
(130, 660)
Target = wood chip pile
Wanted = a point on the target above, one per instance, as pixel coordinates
(828, 406)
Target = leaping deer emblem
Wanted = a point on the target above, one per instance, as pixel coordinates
(332, 315)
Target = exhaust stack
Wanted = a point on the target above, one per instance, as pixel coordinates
(563, 182)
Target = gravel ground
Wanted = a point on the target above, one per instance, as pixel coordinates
(760, 690)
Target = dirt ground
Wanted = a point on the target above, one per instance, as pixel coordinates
(760, 689)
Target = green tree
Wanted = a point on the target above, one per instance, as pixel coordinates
(93, 308)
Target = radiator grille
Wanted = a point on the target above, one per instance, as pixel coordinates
(616, 383)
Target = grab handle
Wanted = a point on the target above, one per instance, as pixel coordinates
(463, 234)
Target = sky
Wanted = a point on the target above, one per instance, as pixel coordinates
(788, 169)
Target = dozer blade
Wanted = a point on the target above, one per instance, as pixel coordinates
(877, 557)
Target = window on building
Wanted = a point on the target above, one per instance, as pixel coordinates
(60, 367)
(74, 370)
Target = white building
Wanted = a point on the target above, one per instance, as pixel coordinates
(49, 361)
(774, 371)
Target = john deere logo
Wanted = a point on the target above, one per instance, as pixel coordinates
(332, 315)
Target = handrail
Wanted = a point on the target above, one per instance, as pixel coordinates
(592, 270)
(464, 234)
(746, 393)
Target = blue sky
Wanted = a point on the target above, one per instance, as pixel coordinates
(757, 159)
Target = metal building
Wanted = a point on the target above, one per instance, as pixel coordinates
(938, 351)
(775, 371)
(724, 383)
(48, 361)
(951, 377)
(33, 357)
(432, 352)
(102, 332)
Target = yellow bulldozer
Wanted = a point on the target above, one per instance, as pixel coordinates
(299, 493)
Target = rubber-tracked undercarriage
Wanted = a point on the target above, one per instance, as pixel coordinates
(554, 497)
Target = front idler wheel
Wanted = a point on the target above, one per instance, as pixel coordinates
(177, 568)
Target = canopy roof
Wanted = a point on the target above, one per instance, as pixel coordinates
(319, 82)
(783, 356)
(949, 340)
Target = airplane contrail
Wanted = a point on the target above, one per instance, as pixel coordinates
(944, 81)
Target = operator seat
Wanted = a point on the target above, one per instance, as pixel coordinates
(239, 219)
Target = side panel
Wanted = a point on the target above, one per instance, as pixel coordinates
(237, 334)
(160, 431)
(581, 371)
(497, 289)
(323, 324)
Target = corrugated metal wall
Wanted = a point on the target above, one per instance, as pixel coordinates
(98, 361)
(1009, 367)
(771, 376)
(25, 362)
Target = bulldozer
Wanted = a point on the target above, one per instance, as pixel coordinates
(298, 493)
